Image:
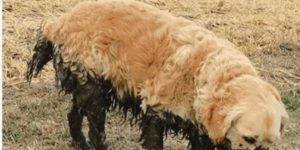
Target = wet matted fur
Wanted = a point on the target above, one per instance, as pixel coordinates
(96, 96)
(169, 65)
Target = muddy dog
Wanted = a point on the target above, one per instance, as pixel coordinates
(178, 74)
(97, 96)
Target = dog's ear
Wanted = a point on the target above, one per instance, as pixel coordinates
(216, 117)
(275, 92)
(284, 118)
(214, 122)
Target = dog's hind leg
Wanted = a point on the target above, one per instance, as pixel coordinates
(152, 131)
(75, 118)
(69, 84)
(96, 115)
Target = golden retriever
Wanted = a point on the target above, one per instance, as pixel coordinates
(174, 65)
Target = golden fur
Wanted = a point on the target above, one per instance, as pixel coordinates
(173, 64)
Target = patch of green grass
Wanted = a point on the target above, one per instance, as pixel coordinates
(17, 130)
(11, 131)
(292, 103)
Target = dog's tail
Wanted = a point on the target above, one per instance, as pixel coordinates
(43, 53)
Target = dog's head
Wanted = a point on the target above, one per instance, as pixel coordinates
(247, 111)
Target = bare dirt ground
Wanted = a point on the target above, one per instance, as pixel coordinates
(34, 117)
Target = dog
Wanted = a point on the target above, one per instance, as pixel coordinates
(166, 65)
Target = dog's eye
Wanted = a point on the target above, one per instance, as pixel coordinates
(249, 140)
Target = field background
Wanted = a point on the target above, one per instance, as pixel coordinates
(34, 117)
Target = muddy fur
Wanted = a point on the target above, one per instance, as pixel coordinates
(96, 96)
(43, 53)
(196, 135)
(152, 131)
(91, 99)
